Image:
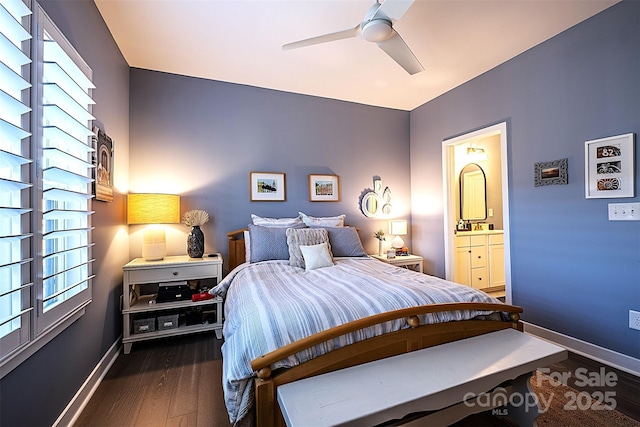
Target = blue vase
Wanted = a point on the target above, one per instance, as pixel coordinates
(195, 242)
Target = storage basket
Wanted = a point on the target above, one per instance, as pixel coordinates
(167, 322)
(140, 326)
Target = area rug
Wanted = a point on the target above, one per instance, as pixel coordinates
(569, 407)
(565, 407)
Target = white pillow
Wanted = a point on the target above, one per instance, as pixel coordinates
(275, 222)
(323, 221)
(316, 256)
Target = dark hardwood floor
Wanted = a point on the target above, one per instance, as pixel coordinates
(165, 382)
(177, 382)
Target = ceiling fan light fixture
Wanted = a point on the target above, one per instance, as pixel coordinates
(376, 27)
(377, 30)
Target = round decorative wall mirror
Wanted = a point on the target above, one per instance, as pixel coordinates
(376, 202)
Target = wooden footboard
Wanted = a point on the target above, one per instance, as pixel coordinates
(403, 341)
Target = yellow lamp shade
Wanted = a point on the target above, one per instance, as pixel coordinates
(146, 208)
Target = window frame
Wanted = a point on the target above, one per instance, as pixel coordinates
(39, 324)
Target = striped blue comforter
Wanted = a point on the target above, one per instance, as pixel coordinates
(271, 304)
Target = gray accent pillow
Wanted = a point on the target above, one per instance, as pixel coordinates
(303, 237)
(268, 243)
(345, 242)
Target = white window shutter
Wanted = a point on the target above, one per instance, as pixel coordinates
(15, 177)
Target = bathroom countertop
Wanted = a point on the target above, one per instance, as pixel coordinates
(466, 233)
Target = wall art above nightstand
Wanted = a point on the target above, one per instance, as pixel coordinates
(324, 188)
(267, 187)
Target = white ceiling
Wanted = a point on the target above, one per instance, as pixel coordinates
(240, 41)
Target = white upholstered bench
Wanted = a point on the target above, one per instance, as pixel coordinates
(438, 385)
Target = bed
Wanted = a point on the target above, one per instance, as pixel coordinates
(285, 322)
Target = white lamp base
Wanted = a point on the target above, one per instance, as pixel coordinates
(154, 244)
(397, 242)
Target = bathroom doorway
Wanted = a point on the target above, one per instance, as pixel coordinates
(486, 149)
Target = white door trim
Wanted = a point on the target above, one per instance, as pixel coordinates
(449, 205)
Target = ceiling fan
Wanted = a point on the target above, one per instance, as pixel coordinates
(376, 27)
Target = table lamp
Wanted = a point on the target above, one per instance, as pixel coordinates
(397, 228)
(154, 209)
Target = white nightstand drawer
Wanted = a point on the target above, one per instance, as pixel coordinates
(173, 273)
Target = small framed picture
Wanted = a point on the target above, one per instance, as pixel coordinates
(324, 188)
(551, 173)
(267, 187)
(609, 167)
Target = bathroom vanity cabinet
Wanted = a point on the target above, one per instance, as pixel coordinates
(479, 260)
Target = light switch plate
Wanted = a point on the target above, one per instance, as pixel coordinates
(624, 211)
(634, 319)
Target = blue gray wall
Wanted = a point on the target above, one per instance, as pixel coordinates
(36, 392)
(201, 139)
(573, 271)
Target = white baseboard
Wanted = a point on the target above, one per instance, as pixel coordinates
(603, 355)
(73, 410)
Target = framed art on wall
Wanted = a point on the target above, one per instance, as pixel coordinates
(609, 167)
(551, 173)
(103, 162)
(267, 187)
(324, 188)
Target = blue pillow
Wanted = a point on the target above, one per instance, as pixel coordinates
(268, 243)
(345, 242)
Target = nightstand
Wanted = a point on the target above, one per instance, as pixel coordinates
(412, 262)
(144, 318)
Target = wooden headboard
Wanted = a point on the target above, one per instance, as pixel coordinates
(236, 248)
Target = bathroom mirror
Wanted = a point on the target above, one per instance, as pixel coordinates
(473, 193)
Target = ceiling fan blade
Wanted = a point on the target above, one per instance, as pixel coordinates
(392, 10)
(339, 35)
(398, 50)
